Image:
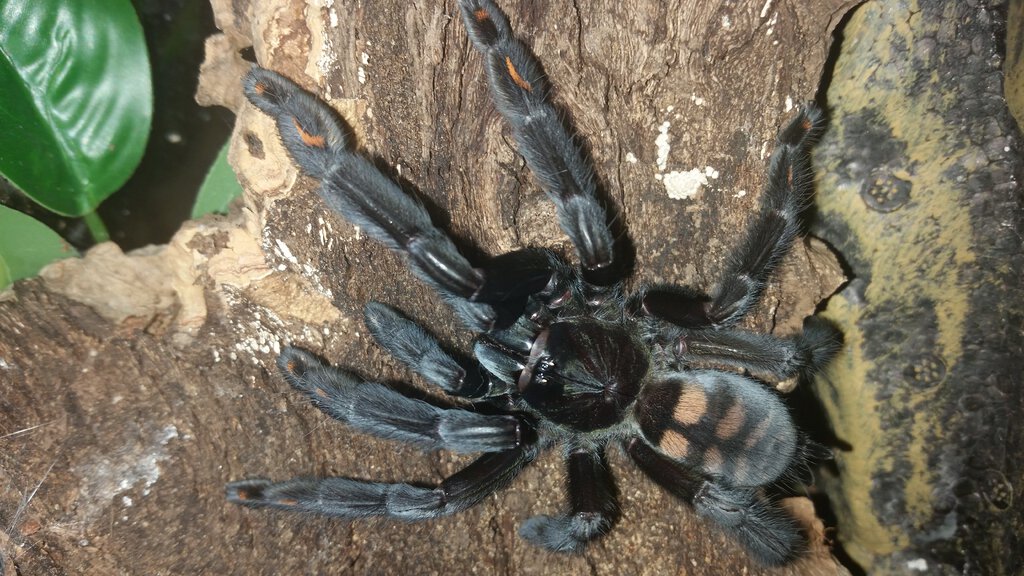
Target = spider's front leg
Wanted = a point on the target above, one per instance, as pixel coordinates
(521, 96)
(770, 236)
(510, 442)
(376, 409)
(352, 186)
(350, 498)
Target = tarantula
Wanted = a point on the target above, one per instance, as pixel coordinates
(565, 356)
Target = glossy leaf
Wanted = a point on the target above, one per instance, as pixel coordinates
(76, 99)
(26, 245)
(219, 187)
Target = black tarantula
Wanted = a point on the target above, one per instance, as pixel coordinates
(565, 356)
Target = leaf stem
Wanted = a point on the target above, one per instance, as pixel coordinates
(97, 228)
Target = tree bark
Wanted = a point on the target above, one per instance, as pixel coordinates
(136, 386)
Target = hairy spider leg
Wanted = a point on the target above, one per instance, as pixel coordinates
(788, 189)
(378, 410)
(593, 508)
(760, 525)
(356, 189)
(349, 498)
(521, 96)
(768, 358)
(420, 351)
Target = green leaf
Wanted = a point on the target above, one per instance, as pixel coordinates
(219, 188)
(26, 245)
(76, 99)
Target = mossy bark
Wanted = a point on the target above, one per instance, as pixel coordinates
(919, 191)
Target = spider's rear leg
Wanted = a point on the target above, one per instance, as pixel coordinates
(349, 498)
(763, 528)
(788, 189)
(592, 507)
(376, 409)
(522, 97)
(356, 189)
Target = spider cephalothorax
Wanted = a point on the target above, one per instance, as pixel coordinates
(564, 356)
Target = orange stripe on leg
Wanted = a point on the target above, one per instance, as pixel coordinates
(516, 77)
(315, 140)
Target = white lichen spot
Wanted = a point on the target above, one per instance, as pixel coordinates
(135, 461)
(361, 75)
(767, 6)
(919, 565)
(216, 355)
(771, 25)
(333, 15)
(285, 252)
(670, 108)
(662, 146)
(3, 364)
(630, 157)
(726, 23)
(684, 185)
(127, 501)
(364, 58)
(710, 172)
(697, 100)
(789, 103)
(740, 194)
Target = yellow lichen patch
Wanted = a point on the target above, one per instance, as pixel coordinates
(854, 412)
(1014, 68)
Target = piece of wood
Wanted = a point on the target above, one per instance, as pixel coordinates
(920, 192)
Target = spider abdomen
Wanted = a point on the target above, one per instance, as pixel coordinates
(723, 424)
